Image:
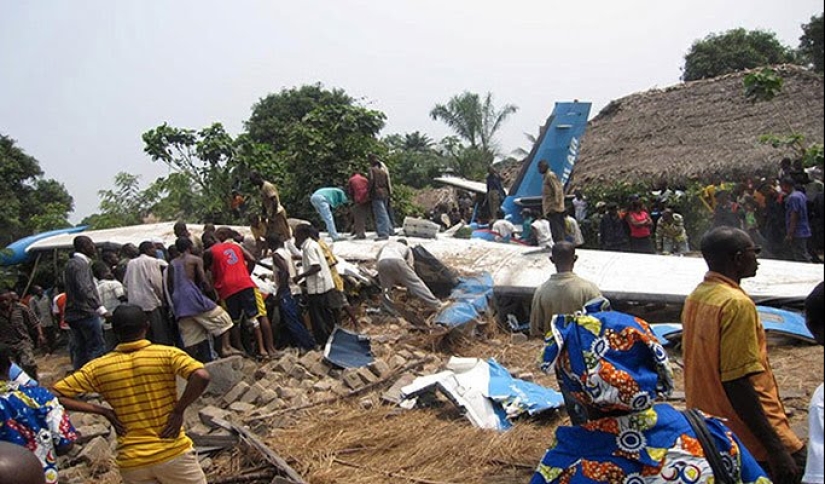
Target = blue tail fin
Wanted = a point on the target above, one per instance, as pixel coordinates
(559, 144)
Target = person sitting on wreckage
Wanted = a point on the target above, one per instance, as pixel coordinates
(612, 365)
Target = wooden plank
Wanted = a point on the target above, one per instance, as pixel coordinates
(268, 454)
(208, 440)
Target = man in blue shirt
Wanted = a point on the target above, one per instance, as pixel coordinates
(798, 230)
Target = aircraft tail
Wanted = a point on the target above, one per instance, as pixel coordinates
(559, 144)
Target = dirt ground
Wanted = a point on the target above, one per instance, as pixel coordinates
(365, 441)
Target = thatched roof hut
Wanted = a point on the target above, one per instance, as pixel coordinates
(699, 130)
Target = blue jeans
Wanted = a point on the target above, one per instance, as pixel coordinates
(380, 211)
(324, 209)
(291, 319)
(88, 340)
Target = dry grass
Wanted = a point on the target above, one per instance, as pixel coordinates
(345, 443)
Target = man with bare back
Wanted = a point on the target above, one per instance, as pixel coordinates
(198, 316)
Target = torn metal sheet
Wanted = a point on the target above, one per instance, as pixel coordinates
(485, 390)
(347, 349)
(468, 302)
(785, 323)
(667, 333)
(775, 321)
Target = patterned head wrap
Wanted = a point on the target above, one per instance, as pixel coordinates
(608, 360)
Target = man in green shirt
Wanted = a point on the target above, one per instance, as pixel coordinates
(563, 293)
(325, 201)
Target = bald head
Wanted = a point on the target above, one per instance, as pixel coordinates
(719, 245)
(19, 466)
(730, 252)
(563, 256)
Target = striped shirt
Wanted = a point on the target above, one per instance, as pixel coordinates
(138, 380)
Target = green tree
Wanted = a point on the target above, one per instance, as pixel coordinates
(318, 138)
(31, 203)
(474, 120)
(121, 206)
(465, 161)
(413, 159)
(207, 165)
(274, 114)
(811, 43)
(733, 51)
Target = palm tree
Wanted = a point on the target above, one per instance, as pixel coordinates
(417, 141)
(522, 152)
(492, 120)
(473, 120)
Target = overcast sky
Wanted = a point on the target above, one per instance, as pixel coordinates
(81, 80)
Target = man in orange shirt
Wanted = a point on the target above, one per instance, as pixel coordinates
(727, 372)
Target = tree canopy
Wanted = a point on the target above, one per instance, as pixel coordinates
(319, 138)
(811, 43)
(413, 159)
(733, 51)
(31, 203)
(207, 165)
(475, 120)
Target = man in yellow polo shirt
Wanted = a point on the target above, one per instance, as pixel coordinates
(727, 372)
(138, 380)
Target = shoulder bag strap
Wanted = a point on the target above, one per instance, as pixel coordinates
(714, 458)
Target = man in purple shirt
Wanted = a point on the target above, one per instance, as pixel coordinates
(796, 221)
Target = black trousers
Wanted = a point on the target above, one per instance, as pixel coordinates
(322, 316)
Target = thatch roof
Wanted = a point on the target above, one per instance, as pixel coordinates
(699, 130)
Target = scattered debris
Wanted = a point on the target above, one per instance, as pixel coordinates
(346, 349)
(487, 392)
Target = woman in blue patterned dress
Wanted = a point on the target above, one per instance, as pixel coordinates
(614, 368)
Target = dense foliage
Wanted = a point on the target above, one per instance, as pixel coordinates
(414, 159)
(318, 138)
(811, 48)
(475, 121)
(733, 51)
(31, 203)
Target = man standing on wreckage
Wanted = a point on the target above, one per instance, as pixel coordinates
(614, 367)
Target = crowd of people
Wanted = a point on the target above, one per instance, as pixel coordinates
(136, 319)
(784, 214)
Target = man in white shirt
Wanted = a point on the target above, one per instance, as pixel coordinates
(395, 268)
(503, 227)
(144, 287)
(544, 236)
(320, 286)
(815, 464)
(112, 294)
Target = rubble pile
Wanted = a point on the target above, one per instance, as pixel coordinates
(262, 397)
